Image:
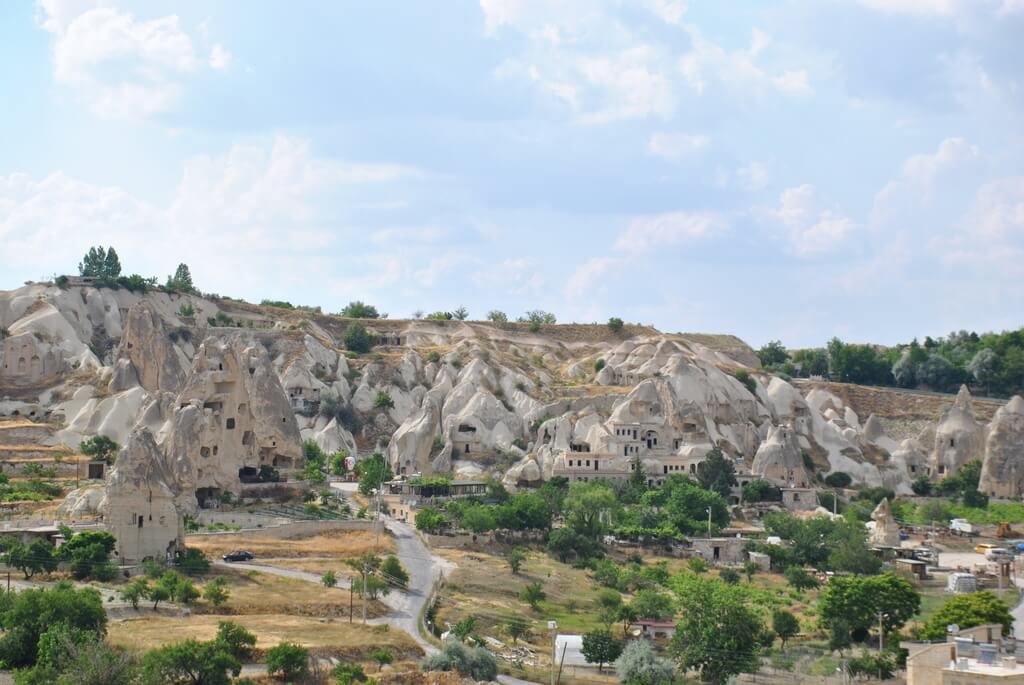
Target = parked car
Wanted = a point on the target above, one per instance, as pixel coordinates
(999, 554)
(240, 555)
(984, 548)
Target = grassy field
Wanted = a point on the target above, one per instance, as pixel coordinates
(340, 544)
(339, 638)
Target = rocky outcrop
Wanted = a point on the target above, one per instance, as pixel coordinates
(232, 417)
(780, 460)
(886, 532)
(142, 506)
(146, 344)
(959, 438)
(1002, 471)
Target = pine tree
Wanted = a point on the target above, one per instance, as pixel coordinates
(111, 264)
(93, 262)
(181, 280)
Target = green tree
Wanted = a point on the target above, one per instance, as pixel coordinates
(566, 543)
(35, 557)
(429, 520)
(375, 586)
(216, 593)
(533, 594)
(382, 656)
(461, 314)
(497, 316)
(134, 591)
(601, 647)
(615, 324)
(718, 635)
(968, 611)
(373, 472)
(463, 630)
(288, 660)
(648, 603)
(193, 562)
(329, 579)
(111, 264)
(190, 661)
(95, 264)
(515, 559)
(359, 310)
(729, 576)
(839, 635)
(839, 479)
(357, 338)
(337, 462)
(637, 665)
(478, 518)
(749, 569)
(800, 579)
(589, 508)
(516, 629)
(99, 447)
(181, 281)
(858, 600)
(760, 490)
(26, 615)
(772, 353)
(785, 625)
(236, 640)
(717, 473)
(394, 572)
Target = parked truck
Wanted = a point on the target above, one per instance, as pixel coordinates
(962, 527)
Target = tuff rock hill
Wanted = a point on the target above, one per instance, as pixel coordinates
(227, 391)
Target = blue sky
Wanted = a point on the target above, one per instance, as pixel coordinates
(795, 169)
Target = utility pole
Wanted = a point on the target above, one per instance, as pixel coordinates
(881, 634)
(351, 603)
(363, 591)
(835, 503)
(376, 544)
(709, 523)
(553, 627)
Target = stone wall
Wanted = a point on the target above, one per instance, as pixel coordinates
(295, 529)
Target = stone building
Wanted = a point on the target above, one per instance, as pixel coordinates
(959, 438)
(1002, 471)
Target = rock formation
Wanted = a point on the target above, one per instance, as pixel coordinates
(1002, 471)
(959, 438)
(146, 345)
(143, 506)
(886, 532)
(780, 460)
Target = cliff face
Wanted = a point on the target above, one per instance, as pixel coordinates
(468, 398)
(1002, 471)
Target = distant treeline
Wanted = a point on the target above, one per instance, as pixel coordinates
(991, 363)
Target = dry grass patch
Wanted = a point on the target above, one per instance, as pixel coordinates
(254, 592)
(340, 638)
(339, 544)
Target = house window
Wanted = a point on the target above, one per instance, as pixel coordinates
(230, 425)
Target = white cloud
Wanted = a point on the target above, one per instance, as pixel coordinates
(588, 276)
(120, 66)
(811, 230)
(601, 62)
(672, 228)
(753, 176)
(921, 7)
(991, 234)
(232, 216)
(916, 183)
(675, 145)
(517, 276)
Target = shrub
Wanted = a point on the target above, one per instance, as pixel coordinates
(186, 310)
(357, 339)
(697, 565)
(839, 479)
(460, 314)
(615, 324)
(383, 400)
(476, 663)
(236, 640)
(193, 562)
(216, 593)
(637, 665)
(747, 380)
(729, 576)
(394, 572)
(533, 594)
(288, 660)
(497, 316)
(360, 310)
(598, 365)
(99, 447)
(921, 486)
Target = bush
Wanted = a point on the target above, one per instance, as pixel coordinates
(759, 490)
(729, 576)
(637, 665)
(383, 400)
(747, 380)
(193, 562)
(598, 365)
(357, 339)
(288, 660)
(394, 572)
(615, 324)
(476, 663)
(921, 486)
(800, 579)
(697, 565)
(497, 316)
(359, 310)
(99, 447)
(839, 479)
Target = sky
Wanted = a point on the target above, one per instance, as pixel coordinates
(793, 170)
